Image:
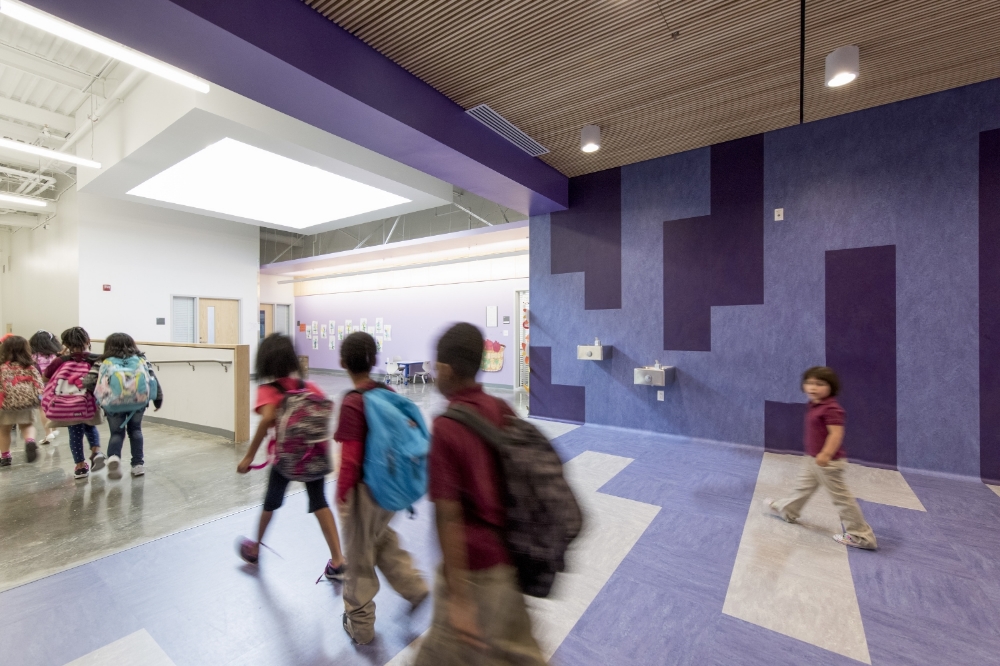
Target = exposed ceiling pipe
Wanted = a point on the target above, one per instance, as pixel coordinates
(123, 89)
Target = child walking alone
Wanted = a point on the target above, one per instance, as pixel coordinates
(300, 414)
(45, 347)
(66, 402)
(825, 462)
(369, 540)
(124, 384)
(20, 384)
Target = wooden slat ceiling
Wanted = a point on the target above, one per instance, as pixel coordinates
(668, 76)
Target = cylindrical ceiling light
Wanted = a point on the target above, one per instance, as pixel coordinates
(842, 66)
(590, 138)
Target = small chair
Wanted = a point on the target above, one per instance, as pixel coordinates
(424, 374)
(392, 371)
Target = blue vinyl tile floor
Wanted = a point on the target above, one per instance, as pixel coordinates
(929, 595)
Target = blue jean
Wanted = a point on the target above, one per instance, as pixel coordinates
(117, 438)
(76, 435)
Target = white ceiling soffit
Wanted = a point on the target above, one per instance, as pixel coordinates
(161, 127)
(469, 243)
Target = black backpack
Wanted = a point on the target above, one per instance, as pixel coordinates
(542, 516)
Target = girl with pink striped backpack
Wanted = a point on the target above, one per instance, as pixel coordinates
(66, 402)
(45, 348)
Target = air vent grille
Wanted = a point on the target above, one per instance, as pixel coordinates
(487, 116)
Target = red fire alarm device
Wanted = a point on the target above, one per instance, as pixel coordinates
(107, 287)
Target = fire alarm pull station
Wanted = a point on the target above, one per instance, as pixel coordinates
(107, 287)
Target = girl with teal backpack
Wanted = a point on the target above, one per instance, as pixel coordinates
(124, 384)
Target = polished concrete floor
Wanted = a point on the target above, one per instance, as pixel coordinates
(678, 565)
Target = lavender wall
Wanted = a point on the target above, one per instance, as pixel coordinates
(418, 316)
(904, 175)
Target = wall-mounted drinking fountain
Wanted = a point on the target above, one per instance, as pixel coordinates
(654, 375)
(594, 352)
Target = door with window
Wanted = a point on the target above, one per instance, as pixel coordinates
(218, 321)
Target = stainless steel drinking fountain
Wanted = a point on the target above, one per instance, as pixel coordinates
(594, 352)
(654, 375)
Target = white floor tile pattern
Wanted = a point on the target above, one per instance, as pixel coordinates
(137, 649)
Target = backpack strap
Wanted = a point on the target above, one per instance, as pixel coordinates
(475, 422)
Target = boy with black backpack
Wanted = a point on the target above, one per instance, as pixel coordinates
(504, 515)
(366, 494)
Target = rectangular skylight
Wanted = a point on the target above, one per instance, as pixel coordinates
(234, 178)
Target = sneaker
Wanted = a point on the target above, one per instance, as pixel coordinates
(97, 461)
(335, 573)
(31, 450)
(769, 508)
(6, 461)
(849, 540)
(49, 437)
(138, 470)
(114, 467)
(81, 472)
(248, 550)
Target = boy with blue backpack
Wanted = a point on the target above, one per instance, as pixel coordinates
(383, 469)
(123, 384)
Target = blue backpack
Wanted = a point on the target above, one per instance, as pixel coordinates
(395, 466)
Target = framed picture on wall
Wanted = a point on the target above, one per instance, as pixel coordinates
(387, 333)
(315, 342)
(322, 330)
(340, 332)
(364, 324)
(379, 321)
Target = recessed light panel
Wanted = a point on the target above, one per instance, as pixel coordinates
(234, 178)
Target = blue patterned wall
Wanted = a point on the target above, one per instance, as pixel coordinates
(903, 175)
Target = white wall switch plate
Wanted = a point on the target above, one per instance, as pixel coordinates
(659, 396)
(779, 214)
(506, 333)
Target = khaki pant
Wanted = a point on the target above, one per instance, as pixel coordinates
(369, 542)
(830, 477)
(503, 621)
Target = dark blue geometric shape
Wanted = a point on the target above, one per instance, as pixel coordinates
(554, 401)
(587, 238)
(989, 306)
(783, 426)
(716, 259)
(861, 347)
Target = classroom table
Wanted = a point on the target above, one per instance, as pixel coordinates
(407, 368)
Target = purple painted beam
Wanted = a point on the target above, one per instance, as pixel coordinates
(989, 306)
(554, 401)
(716, 259)
(587, 238)
(287, 56)
(861, 347)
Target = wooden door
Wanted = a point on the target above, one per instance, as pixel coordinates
(266, 319)
(218, 321)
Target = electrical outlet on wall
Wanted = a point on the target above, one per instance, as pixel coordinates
(659, 396)
(779, 214)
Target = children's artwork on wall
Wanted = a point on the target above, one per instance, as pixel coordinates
(347, 327)
(364, 324)
(331, 328)
(340, 332)
(322, 330)
(315, 342)
(378, 342)
(332, 342)
(492, 356)
(378, 325)
(309, 333)
(387, 332)
(315, 328)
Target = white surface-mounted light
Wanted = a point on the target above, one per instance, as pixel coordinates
(842, 66)
(45, 152)
(95, 42)
(23, 201)
(590, 138)
(234, 178)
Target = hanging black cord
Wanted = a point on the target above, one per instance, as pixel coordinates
(802, 60)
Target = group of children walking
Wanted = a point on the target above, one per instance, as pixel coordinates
(76, 388)
(478, 459)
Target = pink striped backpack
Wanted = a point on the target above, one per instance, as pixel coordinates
(64, 398)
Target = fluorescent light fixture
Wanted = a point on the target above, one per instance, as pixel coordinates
(590, 138)
(23, 201)
(45, 152)
(95, 42)
(230, 177)
(842, 66)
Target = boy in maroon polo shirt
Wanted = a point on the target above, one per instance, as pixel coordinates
(825, 462)
(368, 539)
(479, 612)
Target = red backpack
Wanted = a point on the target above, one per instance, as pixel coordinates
(64, 398)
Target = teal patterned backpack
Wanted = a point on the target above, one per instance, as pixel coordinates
(124, 385)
